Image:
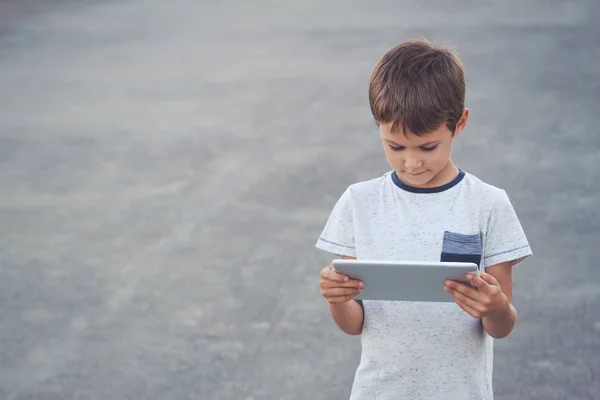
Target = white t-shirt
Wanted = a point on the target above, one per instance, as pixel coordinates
(420, 350)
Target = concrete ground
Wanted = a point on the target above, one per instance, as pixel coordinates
(166, 168)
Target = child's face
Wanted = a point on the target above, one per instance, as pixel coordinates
(421, 161)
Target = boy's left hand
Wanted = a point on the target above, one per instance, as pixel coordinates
(486, 300)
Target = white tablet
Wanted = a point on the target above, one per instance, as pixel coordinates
(404, 280)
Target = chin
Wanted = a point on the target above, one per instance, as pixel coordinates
(419, 180)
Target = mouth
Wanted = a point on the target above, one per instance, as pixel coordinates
(413, 174)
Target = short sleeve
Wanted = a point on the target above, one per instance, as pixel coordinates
(338, 235)
(505, 239)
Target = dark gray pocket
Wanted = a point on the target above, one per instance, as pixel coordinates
(458, 247)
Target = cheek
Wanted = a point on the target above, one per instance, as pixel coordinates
(394, 157)
(435, 159)
(439, 159)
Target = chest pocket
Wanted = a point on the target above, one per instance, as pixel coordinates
(458, 247)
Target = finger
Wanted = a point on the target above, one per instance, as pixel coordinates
(484, 282)
(464, 299)
(340, 292)
(352, 283)
(489, 279)
(469, 310)
(477, 281)
(330, 274)
(334, 276)
(340, 299)
(462, 288)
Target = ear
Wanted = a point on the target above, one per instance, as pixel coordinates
(462, 122)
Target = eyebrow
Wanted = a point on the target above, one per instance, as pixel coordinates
(421, 145)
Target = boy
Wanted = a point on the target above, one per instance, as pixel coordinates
(424, 209)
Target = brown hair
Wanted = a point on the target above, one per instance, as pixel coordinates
(417, 86)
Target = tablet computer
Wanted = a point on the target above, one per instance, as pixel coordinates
(405, 280)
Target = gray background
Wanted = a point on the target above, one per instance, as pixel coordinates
(166, 168)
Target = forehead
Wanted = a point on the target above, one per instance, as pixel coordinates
(411, 139)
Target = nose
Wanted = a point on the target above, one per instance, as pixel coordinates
(412, 163)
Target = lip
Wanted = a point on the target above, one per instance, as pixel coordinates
(411, 174)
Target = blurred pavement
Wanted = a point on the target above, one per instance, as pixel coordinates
(166, 168)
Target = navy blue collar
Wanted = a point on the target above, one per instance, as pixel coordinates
(412, 189)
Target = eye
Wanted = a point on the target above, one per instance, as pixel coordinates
(397, 148)
(431, 148)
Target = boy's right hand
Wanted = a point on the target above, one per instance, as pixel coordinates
(338, 288)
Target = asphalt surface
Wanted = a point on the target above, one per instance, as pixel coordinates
(166, 168)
